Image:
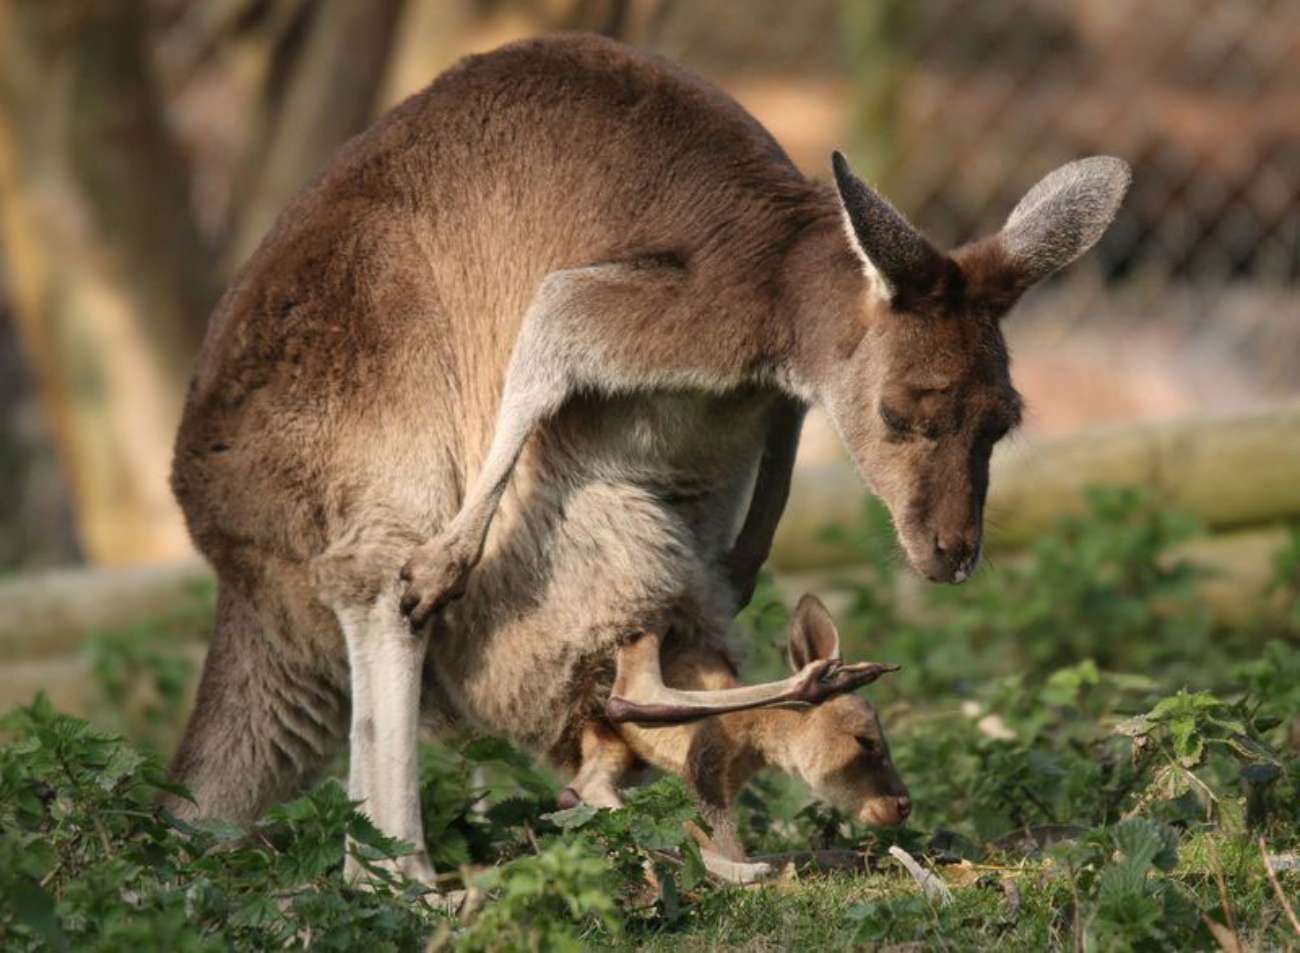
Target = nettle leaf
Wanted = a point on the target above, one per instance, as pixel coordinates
(363, 830)
(668, 895)
(451, 850)
(1146, 843)
(1185, 704)
(1189, 746)
(122, 763)
(572, 818)
(694, 872)
(258, 912)
(1234, 725)
(35, 908)
(1137, 728)
(488, 750)
(512, 812)
(1064, 685)
(223, 832)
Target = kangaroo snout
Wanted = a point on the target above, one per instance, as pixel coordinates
(944, 556)
(955, 556)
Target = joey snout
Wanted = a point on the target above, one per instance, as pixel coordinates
(888, 811)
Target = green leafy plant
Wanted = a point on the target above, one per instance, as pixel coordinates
(642, 834)
(547, 902)
(1286, 575)
(88, 861)
(141, 682)
(1070, 723)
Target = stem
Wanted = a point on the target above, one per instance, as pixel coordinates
(1277, 888)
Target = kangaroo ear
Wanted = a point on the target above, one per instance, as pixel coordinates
(1062, 216)
(895, 255)
(813, 635)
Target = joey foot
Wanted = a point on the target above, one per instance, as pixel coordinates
(434, 576)
(823, 680)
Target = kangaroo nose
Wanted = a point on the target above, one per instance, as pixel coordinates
(904, 806)
(958, 553)
(950, 546)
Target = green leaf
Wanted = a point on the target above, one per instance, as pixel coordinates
(1189, 746)
(35, 908)
(122, 763)
(572, 818)
(694, 872)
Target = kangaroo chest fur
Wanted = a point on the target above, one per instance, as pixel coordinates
(618, 519)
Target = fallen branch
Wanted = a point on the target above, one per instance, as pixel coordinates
(930, 883)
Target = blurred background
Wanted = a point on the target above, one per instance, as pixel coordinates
(146, 145)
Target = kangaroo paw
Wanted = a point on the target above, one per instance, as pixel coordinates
(434, 576)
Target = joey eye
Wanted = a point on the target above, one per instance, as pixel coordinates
(869, 745)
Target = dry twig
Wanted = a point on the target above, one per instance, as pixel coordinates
(1277, 888)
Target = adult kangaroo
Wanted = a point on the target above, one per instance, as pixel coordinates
(542, 339)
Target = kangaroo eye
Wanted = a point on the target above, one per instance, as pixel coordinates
(894, 420)
(995, 430)
(869, 745)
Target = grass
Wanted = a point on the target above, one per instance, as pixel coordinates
(1093, 761)
(844, 912)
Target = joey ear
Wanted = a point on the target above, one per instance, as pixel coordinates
(898, 258)
(1062, 216)
(813, 635)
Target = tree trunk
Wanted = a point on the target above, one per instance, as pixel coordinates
(322, 88)
(108, 275)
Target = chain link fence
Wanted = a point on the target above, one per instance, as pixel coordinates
(952, 107)
(956, 107)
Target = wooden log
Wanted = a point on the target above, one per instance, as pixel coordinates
(1240, 566)
(1231, 472)
(50, 614)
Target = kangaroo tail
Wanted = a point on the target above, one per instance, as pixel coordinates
(265, 722)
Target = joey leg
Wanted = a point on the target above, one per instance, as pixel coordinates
(606, 761)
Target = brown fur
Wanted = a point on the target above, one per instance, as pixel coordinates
(699, 293)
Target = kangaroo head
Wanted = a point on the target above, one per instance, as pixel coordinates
(914, 371)
(838, 748)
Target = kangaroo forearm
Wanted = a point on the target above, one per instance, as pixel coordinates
(771, 490)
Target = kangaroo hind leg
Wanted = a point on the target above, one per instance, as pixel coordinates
(386, 660)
